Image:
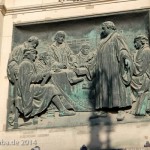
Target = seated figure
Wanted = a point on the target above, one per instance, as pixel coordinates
(61, 56)
(16, 57)
(33, 95)
(141, 75)
(85, 57)
(85, 61)
(41, 65)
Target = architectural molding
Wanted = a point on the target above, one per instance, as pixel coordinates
(47, 20)
(60, 5)
(2, 9)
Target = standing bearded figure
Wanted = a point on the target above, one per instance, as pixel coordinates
(114, 69)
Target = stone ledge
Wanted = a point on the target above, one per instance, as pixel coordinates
(59, 5)
(3, 9)
(51, 20)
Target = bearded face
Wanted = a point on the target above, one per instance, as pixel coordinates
(105, 32)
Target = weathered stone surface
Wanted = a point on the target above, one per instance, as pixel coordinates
(79, 72)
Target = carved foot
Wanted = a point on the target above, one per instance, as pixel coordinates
(15, 125)
(132, 112)
(66, 113)
(133, 98)
(35, 120)
(76, 80)
(100, 114)
(11, 119)
(51, 114)
(120, 116)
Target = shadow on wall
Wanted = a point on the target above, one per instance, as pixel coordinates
(100, 125)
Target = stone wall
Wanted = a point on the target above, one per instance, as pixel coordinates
(14, 12)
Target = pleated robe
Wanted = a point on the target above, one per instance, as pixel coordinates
(113, 78)
(141, 80)
(34, 98)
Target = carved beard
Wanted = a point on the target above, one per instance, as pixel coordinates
(103, 35)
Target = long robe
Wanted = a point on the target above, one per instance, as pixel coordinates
(141, 80)
(86, 59)
(111, 74)
(86, 64)
(16, 57)
(34, 98)
(40, 66)
(61, 54)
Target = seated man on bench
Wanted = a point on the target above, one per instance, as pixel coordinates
(33, 96)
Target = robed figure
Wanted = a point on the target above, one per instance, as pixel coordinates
(16, 57)
(86, 61)
(113, 69)
(34, 95)
(140, 83)
(61, 56)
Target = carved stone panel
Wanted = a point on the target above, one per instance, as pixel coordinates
(69, 72)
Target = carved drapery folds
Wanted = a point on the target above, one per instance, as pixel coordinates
(74, 68)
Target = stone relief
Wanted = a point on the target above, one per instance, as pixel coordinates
(140, 79)
(113, 69)
(108, 78)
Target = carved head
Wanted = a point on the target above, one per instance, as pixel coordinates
(83, 147)
(60, 37)
(30, 54)
(140, 41)
(43, 56)
(33, 42)
(85, 48)
(107, 28)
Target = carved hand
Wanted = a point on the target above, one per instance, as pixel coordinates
(46, 76)
(75, 65)
(16, 72)
(127, 63)
(83, 65)
(46, 73)
(62, 66)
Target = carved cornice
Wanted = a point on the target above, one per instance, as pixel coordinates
(3, 9)
(60, 5)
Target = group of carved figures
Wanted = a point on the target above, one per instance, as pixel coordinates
(121, 78)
